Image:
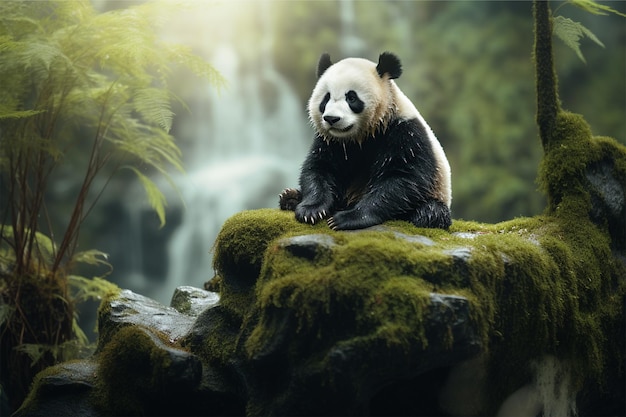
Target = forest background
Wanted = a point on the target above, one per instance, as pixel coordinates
(467, 67)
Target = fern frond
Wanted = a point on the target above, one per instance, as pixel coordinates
(17, 24)
(18, 114)
(124, 43)
(92, 257)
(155, 196)
(96, 288)
(182, 55)
(595, 8)
(153, 104)
(591, 36)
(7, 43)
(571, 32)
(149, 144)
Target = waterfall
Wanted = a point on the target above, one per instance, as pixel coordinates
(349, 42)
(243, 145)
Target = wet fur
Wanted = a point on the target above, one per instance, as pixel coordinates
(392, 167)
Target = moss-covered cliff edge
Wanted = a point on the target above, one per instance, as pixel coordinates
(534, 286)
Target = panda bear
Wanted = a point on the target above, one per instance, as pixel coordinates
(373, 158)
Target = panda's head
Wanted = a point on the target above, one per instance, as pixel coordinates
(354, 97)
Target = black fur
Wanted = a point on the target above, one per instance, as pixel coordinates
(356, 186)
(390, 64)
(324, 103)
(323, 64)
(356, 104)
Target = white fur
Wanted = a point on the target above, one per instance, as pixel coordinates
(408, 111)
(355, 74)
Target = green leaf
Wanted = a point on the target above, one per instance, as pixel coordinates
(5, 313)
(155, 196)
(594, 8)
(571, 32)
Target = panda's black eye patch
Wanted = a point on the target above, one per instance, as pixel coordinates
(355, 103)
(324, 102)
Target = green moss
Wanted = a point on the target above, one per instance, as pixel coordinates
(536, 285)
(562, 171)
(131, 370)
(241, 243)
(239, 250)
(32, 399)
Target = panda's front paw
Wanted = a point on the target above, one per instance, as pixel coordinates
(289, 199)
(351, 220)
(311, 213)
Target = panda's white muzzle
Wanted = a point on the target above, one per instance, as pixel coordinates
(336, 120)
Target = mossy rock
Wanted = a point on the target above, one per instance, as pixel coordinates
(325, 320)
(340, 323)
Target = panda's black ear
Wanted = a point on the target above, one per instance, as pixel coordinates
(389, 64)
(323, 64)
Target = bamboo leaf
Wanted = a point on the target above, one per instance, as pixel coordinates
(155, 196)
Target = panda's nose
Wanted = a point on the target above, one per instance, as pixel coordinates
(332, 119)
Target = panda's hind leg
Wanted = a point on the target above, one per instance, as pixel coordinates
(432, 214)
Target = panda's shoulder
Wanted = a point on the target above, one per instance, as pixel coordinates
(410, 130)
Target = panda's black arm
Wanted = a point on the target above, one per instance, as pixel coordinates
(391, 196)
(318, 184)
